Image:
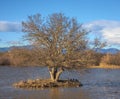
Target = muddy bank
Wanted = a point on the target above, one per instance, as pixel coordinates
(47, 83)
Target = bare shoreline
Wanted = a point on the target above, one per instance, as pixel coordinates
(105, 67)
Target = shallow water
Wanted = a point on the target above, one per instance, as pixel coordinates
(97, 84)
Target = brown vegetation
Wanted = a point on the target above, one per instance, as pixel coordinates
(19, 57)
(4, 59)
(111, 59)
(29, 57)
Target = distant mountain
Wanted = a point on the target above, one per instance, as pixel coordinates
(4, 49)
(109, 50)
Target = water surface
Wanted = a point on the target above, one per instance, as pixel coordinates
(97, 84)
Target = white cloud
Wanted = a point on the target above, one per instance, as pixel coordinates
(6, 26)
(108, 30)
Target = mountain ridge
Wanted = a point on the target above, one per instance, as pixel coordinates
(108, 50)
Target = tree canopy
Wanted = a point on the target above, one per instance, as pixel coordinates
(59, 39)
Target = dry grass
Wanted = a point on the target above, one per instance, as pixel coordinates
(104, 66)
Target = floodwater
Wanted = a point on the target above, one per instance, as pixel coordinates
(97, 84)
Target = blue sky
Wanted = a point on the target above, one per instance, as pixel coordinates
(100, 16)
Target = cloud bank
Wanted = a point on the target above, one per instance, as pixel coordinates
(6, 26)
(108, 30)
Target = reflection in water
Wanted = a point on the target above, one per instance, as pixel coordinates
(67, 93)
(54, 93)
(97, 84)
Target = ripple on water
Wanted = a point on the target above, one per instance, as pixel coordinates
(97, 84)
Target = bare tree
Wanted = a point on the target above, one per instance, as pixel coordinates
(98, 44)
(59, 40)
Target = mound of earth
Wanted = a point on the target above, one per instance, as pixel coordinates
(47, 83)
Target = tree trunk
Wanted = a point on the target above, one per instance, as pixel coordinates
(55, 73)
(58, 74)
(52, 71)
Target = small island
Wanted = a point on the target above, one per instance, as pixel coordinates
(47, 83)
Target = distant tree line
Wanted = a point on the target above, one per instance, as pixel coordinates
(111, 59)
(19, 57)
(29, 57)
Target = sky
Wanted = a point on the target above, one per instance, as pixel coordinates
(102, 17)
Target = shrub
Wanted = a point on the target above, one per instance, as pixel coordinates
(111, 59)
